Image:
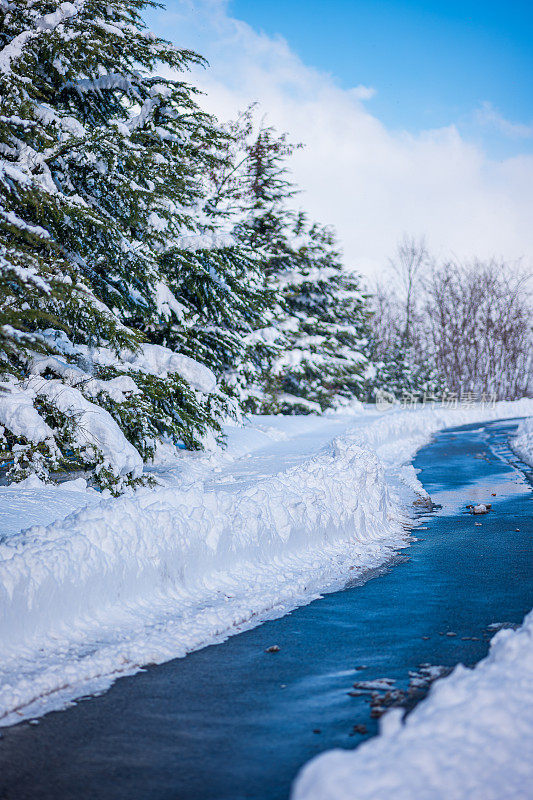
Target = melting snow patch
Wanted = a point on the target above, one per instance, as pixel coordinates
(470, 738)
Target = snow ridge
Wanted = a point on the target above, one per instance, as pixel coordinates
(111, 572)
(150, 576)
(522, 443)
(470, 739)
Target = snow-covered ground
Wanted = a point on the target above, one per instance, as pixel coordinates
(522, 443)
(99, 586)
(470, 739)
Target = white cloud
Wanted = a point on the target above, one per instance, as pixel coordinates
(371, 182)
(362, 92)
(488, 115)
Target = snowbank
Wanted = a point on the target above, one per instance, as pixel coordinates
(522, 443)
(469, 740)
(33, 502)
(149, 577)
(229, 541)
(472, 737)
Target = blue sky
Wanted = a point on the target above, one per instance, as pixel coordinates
(417, 117)
(431, 63)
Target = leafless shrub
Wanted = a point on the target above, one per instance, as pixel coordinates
(480, 321)
(409, 263)
(458, 328)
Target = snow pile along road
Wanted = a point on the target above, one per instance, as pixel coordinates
(223, 546)
(522, 443)
(469, 740)
(472, 738)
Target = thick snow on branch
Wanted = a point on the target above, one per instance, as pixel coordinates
(118, 389)
(167, 303)
(106, 82)
(205, 241)
(18, 415)
(67, 123)
(154, 359)
(94, 426)
(46, 23)
(65, 11)
(151, 359)
(26, 274)
(36, 230)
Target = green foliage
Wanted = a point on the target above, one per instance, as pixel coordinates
(326, 323)
(135, 232)
(164, 408)
(102, 172)
(223, 301)
(317, 359)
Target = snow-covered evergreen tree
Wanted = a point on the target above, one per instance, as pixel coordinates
(145, 253)
(404, 372)
(318, 330)
(247, 192)
(222, 301)
(323, 364)
(101, 175)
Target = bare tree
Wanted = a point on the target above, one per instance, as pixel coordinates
(456, 327)
(409, 263)
(400, 355)
(480, 322)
